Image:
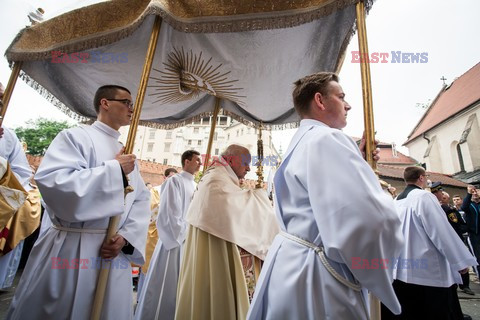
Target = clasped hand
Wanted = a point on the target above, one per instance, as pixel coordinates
(127, 161)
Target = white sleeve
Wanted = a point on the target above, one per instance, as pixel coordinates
(170, 222)
(442, 235)
(355, 218)
(65, 180)
(135, 227)
(17, 159)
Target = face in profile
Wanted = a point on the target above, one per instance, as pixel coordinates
(120, 109)
(336, 108)
(439, 195)
(193, 165)
(240, 164)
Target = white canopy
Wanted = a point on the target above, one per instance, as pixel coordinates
(247, 53)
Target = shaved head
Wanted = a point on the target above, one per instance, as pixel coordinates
(235, 150)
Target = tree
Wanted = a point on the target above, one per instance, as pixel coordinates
(38, 134)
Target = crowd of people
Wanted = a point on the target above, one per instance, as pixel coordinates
(331, 238)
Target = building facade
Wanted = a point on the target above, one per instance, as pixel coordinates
(447, 138)
(166, 146)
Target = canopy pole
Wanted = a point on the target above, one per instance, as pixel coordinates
(259, 172)
(9, 89)
(257, 265)
(213, 125)
(366, 85)
(375, 308)
(113, 222)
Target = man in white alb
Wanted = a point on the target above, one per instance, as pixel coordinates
(82, 179)
(333, 215)
(158, 297)
(432, 258)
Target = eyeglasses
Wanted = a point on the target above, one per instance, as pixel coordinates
(126, 102)
(426, 175)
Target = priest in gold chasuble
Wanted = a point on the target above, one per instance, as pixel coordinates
(222, 216)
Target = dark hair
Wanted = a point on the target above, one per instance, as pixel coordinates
(108, 92)
(188, 155)
(411, 174)
(168, 171)
(306, 87)
(456, 196)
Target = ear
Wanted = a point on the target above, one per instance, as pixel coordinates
(104, 104)
(318, 100)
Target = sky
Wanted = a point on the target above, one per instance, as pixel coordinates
(447, 31)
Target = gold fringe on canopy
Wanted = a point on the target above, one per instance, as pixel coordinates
(108, 22)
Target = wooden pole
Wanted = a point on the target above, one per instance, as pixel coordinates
(257, 266)
(9, 89)
(259, 172)
(375, 308)
(366, 85)
(113, 223)
(213, 125)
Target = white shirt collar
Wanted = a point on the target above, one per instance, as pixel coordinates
(187, 175)
(107, 129)
(310, 122)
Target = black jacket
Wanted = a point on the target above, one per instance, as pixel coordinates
(472, 212)
(455, 219)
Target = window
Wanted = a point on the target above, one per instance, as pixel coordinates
(197, 121)
(165, 161)
(223, 121)
(206, 120)
(169, 135)
(216, 152)
(248, 130)
(167, 147)
(196, 130)
(215, 136)
(199, 143)
(238, 131)
(228, 136)
(189, 142)
(150, 147)
(241, 132)
(152, 134)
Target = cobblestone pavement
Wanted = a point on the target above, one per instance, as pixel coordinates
(470, 304)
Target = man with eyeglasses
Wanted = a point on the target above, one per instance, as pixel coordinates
(82, 180)
(432, 257)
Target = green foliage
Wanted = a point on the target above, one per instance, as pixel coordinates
(198, 176)
(38, 134)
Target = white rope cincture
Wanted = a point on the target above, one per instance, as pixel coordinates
(79, 230)
(319, 251)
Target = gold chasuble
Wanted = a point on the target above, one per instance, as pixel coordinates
(15, 224)
(152, 235)
(222, 216)
(24, 222)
